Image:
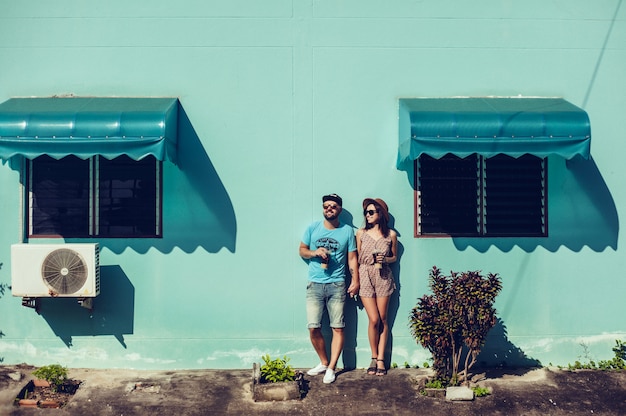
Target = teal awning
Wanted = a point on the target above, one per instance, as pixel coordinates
(491, 126)
(88, 126)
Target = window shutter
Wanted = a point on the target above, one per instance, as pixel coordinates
(448, 195)
(514, 202)
(127, 197)
(59, 197)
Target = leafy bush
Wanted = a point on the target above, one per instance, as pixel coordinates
(277, 370)
(455, 319)
(54, 374)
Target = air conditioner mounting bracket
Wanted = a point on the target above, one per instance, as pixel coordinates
(31, 303)
(86, 303)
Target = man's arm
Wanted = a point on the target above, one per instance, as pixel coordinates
(306, 253)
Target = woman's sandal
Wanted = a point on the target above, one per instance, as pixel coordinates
(371, 370)
(381, 371)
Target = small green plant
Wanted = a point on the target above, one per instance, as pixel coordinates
(394, 365)
(620, 349)
(426, 364)
(276, 370)
(480, 391)
(54, 374)
(618, 362)
(407, 365)
(434, 384)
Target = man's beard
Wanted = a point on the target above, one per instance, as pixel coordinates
(331, 217)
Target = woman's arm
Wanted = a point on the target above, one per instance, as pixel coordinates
(394, 247)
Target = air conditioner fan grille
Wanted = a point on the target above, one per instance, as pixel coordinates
(64, 271)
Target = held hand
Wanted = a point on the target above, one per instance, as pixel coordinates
(380, 258)
(353, 290)
(321, 252)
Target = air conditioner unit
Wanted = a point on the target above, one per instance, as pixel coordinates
(51, 270)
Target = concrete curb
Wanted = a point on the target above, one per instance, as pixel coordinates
(288, 390)
(461, 393)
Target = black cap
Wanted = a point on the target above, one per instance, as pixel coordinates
(333, 197)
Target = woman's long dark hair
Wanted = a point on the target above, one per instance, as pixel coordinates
(382, 220)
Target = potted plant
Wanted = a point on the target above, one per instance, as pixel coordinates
(50, 388)
(54, 375)
(276, 380)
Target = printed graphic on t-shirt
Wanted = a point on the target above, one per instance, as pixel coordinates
(329, 244)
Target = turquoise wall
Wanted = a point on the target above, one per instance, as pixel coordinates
(284, 101)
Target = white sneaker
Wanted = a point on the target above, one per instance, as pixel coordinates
(318, 369)
(329, 377)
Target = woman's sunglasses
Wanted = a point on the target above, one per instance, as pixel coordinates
(370, 212)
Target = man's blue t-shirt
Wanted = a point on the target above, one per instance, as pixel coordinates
(338, 242)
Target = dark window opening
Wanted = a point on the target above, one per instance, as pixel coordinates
(476, 196)
(92, 198)
(127, 193)
(59, 197)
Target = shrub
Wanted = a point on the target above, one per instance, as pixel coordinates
(455, 320)
(54, 374)
(277, 370)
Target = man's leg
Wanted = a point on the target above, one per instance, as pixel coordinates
(336, 346)
(314, 310)
(335, 304)
(317, 339)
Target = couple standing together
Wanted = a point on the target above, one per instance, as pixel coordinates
(326, 244)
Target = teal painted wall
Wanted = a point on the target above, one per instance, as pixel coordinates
(284, 101)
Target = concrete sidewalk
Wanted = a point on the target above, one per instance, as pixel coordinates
(229, 392)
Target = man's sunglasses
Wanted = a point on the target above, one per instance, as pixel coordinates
(331, 206)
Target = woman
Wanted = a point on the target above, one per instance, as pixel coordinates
(377, 248)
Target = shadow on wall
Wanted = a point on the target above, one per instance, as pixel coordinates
(3, 287)
(500, 352)
(197, 211)
(581, 212)
(113, 313)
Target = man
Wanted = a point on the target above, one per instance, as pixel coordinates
(326, 244)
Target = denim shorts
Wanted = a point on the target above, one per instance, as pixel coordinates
(329, 296)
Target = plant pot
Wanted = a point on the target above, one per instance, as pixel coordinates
(37, 393)
(41, 383)
(27, 403)
(50, 404)
(437, 393)
(286, 390)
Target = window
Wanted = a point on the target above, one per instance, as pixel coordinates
(481, 197)
(93, 198)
